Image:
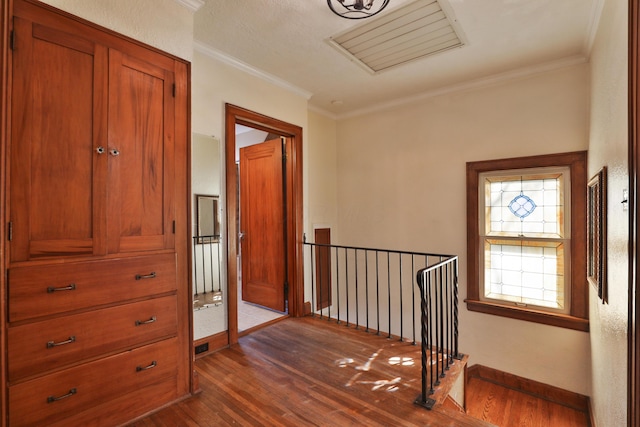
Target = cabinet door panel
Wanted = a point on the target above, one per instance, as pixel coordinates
(58, 106)
(141, 130)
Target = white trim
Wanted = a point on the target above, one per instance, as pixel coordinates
(472, 84)
(192, 5)
(242, 66)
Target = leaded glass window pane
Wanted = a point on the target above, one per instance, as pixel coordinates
(524, 205)
(525, 272)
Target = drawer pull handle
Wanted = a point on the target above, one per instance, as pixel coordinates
(51, 344)
(151, 275)
(141, 368)
(71, 287)
(145, 322)
(51, 399)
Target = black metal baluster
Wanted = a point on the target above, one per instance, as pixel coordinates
(346, 265)
(329, 295)
(219, 273)
(366, 287)
(413, 302)
(355, 260)
(401, 299)
(338, 284)
(430, 329)
(440, 303)
(457, 355)
(377, 294)
(422, 399)
(447, 309)
(204, 271)
(319, 272)
(211, 262)
(195, 266)
(314, 307)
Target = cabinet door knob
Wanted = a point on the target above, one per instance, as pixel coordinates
(114, 152)
(100, 150)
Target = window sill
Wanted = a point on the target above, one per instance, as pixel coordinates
(530, 315)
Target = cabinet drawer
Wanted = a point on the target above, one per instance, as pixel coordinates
(41, 346)
(52, 289)
(51, 398)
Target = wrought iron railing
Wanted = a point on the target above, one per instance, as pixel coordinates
(206, 272)
(438, 285)
(374, 290)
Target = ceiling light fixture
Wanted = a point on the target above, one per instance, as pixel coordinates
(357, 9)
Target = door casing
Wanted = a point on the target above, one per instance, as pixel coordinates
(237, 115)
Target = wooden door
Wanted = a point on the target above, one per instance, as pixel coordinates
(140, 152)
(262, 224)
(59, 115)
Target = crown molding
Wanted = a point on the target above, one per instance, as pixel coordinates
(471, 85)
(192, 5)
(233, 62)
(322, 112)
(594, 24)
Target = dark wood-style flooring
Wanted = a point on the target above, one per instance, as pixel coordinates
(311, 372)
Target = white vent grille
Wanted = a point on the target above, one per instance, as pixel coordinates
(410, 32)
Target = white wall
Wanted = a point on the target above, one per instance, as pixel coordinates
(401, 177)
(167, 25)
(608, 146)
(323, 180)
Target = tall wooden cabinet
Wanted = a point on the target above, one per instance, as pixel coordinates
(97, 317)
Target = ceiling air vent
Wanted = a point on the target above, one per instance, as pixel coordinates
(402, 35)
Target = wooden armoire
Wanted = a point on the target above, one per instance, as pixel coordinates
(96, 323)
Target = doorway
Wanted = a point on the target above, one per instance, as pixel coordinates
(292, 197)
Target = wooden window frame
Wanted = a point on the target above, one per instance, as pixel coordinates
(578, 316)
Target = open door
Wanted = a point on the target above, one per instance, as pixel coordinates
(262, 224)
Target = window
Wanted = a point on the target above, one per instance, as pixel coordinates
(527, 238)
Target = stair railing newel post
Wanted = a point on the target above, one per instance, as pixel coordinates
(425, 338)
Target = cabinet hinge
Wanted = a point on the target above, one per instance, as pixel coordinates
(174, 90)
(12, 40)
(10, 231)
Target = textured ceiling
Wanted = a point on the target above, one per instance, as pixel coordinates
(287, 40)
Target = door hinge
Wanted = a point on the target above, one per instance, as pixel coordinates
(12, 40)
(174, 90)
(286, 290)
(174, 227)
(10, 231)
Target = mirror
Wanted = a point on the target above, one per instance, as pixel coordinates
(207, 219)
(208, 270)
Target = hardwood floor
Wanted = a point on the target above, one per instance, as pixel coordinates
(309, 372)
(312, 372)
(506, 407)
